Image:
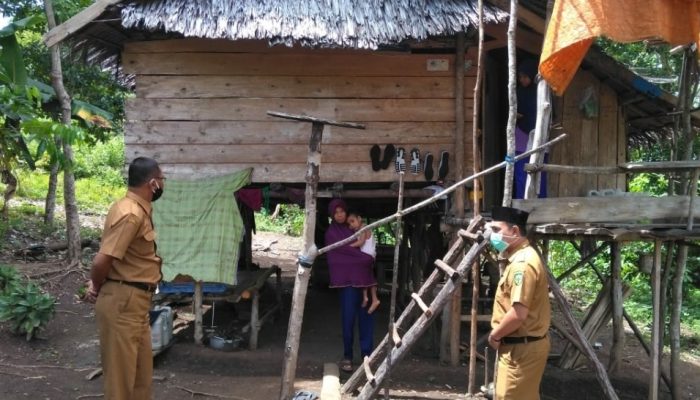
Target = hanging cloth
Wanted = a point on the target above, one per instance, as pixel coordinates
(575, 24)
(200, 227)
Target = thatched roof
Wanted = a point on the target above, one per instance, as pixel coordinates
(360, 24)
(326, 23)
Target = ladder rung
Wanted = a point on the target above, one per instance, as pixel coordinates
(454, 275)
(479, 318)
(395, 337)
(468, 235)
(422, 305)
(368, 372)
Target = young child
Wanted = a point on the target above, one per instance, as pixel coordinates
(367, 245)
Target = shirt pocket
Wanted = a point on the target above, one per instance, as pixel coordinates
(145, 246)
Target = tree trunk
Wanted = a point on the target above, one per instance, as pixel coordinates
(10, 182)
(50, 204)
(512, 105)
(72, 222)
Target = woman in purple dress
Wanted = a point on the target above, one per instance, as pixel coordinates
(350, 271)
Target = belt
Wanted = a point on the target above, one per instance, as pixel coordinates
(521, 339)
(138, 285)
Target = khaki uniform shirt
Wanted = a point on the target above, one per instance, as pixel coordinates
(524, 281)
(129, 237)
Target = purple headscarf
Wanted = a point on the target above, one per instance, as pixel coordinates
(347, 265)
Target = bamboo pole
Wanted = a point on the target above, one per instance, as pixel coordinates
(544, 115)
(455, 323)
(618, 341)
(301, 281)
(473, 331)
(436, 197)
(512, 105)
(393, 331)
(656, 297)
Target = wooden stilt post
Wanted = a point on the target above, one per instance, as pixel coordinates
(656, 297)
(393, 331)
(618, 341)
(458, 204)
(198, 330)
(309, 250)
(473, 328)
(512, 105)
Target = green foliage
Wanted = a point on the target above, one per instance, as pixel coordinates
(8, 278)
(583, 285)
(103, 161)
(655, 63)
(27, 308)
(290, 220)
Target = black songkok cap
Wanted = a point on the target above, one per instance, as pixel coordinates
(510, 215)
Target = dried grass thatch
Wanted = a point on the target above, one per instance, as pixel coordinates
(363, 24)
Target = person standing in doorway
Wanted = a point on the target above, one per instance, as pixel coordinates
(521, 310)
(350, 272)
(123, 278)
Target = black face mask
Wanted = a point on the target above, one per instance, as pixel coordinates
(157, 193)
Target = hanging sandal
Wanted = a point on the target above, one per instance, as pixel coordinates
(346, 366)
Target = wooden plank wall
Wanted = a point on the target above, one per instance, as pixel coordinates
(598, 141)
(200, 108)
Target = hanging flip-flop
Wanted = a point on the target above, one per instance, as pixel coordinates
(443, 167)
(389, 153)
(374, 153)
(415, 161)
(428, 167)
(400, 163)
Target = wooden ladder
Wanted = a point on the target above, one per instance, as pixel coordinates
(383, 362)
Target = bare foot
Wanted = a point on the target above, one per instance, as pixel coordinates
(365, 300)
(374, 306)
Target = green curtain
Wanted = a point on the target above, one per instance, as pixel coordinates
(199, 227)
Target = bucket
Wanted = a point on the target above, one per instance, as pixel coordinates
(162, 327)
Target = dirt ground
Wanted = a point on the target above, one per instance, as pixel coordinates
(55, 366)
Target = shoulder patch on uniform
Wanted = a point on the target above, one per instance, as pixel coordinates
(518, 278)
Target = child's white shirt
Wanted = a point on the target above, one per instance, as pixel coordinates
(369, 247)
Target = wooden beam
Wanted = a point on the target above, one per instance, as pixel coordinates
(330, 387)
(526, 40)
(606, 209)
(525, 16)
(635, 167)
(77, 22)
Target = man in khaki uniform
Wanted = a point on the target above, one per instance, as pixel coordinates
(124, 276)
(521, 310)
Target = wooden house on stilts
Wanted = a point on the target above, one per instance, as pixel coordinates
(205, 74)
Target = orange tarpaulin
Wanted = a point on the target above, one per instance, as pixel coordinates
(576, 23)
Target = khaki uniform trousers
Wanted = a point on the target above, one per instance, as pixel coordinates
(125, 341)
(520, 369)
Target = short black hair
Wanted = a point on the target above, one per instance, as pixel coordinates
(141, 170)
(353, 211)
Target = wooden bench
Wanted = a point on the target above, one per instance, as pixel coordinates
(248, 288)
